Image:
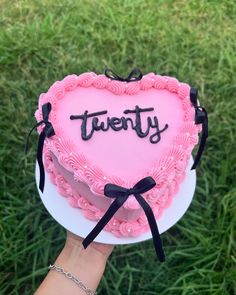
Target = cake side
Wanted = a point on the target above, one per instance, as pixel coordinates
(117, 226)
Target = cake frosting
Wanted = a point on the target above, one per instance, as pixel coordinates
(110, 131)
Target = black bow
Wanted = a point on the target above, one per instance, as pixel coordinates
(120, 195)
(135, 75)
(200, 118)
(47, 131)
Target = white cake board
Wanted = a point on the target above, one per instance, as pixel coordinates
(73, 220)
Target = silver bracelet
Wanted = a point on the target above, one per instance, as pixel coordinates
(73, 278)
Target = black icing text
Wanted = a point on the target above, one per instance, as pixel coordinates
(118, 124)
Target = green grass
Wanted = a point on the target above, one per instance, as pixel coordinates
(42, 41)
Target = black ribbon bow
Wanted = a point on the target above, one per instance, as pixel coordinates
(135, 75)
(47, 131)
(120, 195)
(200, 118)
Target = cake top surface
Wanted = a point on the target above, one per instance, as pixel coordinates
(119, 132)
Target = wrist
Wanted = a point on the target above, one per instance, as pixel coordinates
(95, 250)
(86, 264)
(74, 251)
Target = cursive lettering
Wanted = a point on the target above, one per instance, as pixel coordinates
(118, 124)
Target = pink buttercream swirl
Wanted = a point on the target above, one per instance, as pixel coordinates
(184, 90)
(86, 79)
(61, 184)
(172, 84)
(98, 187)
(180, 166)
(184, 139)
(70, 82)
(83, 203)
(147, 81)
(57, 89)
(93, 174)
(159, 82)
(166, 163)
(177, 152)
(130, 229)
(132, 88)
(158, 175)
(100, 82)
(189, 127)
(50, 98)
(162, 201)
(151, 198)
(76, 162)
(63, 145)
(90, 214)
(186, 103)
(114, 224)
(73, 202)
(142, 220)
(189, 114)
(116, 87)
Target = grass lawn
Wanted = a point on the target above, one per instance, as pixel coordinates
(41, 42)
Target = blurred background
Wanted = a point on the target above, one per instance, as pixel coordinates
(43, 41)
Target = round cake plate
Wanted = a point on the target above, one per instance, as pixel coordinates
(73, 220)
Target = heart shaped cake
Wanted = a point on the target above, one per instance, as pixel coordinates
(100, 129)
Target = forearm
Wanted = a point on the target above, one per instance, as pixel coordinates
(86, 264)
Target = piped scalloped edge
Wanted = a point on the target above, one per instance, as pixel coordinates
(173, 162)
(116, 226)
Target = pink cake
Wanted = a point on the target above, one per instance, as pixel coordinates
(110, 131)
